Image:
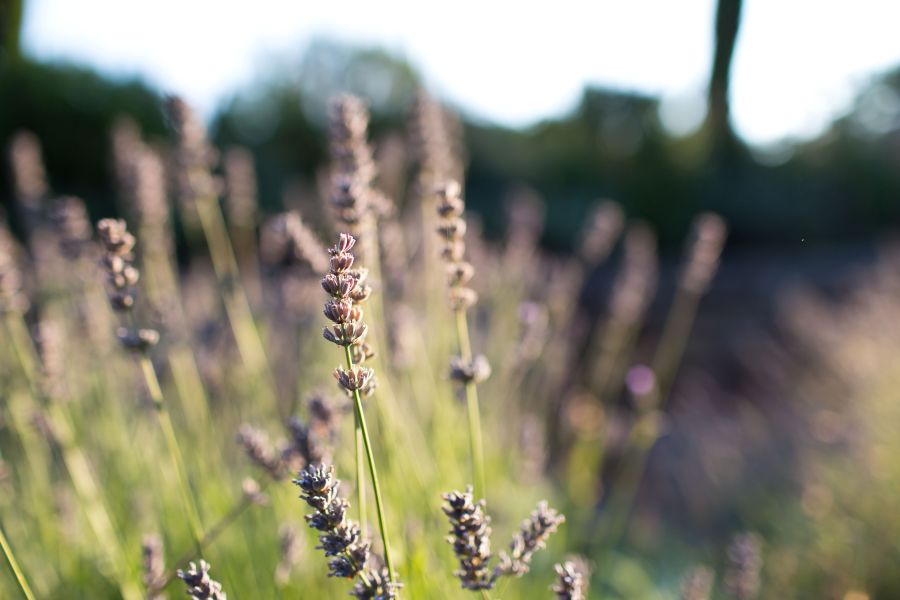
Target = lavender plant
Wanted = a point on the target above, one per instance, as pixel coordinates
(465, 369)
(347, 290)
(470, 533)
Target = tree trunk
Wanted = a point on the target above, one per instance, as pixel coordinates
(718, 123)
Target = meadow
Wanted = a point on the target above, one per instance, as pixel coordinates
(175, 422)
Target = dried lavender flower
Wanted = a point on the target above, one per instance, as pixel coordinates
(194, 156)
(253, 493)
(452, 230)
(571, 579)
(121, 278)
(31, 186)
(431, 140)
(121, 275)
(200, 585)
(240, 183)
(12, 299)
(256, 444)
(376, 586)
(702, 262)
(530, 538)
(137, 339)
(470, 537)
(50, 341)
(603, 227)
(73, 225)
(290, 553)
(348, 123)
(348, 291)
(744, 564)
(149, 191)
(353, 196)
(478, 370)
(339, 537)
(310, 443)
(357, 378)
(126, 146)
(152, 565)
(697, 584)
(634, 287)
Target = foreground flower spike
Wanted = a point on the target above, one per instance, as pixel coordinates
(339, 537)
(347, 290)
(571, 579)
(200, 585)
(470, 537)
(744, 565)
(530, 538)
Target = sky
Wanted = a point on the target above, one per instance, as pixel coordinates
(796, 67)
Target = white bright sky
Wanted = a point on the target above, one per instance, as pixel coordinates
(797, 65)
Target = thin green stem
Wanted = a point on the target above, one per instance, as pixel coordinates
(165, 423)
(666, 361)
(476, 445)
(376, 489)
(237, 306)
(14, 565)
(360, 477)
(673, 341)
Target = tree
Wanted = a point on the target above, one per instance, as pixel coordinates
(11, 27)
(718, 123)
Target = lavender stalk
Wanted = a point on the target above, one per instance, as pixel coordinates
(348, 290)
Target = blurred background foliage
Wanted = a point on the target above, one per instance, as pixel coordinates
(840, 186)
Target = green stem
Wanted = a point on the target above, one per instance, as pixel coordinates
(666, 361)
(165, 423)
(379, 509)
(237, 306)
(14, 565)
(476, 446)
(672, 342)
(360, 477)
